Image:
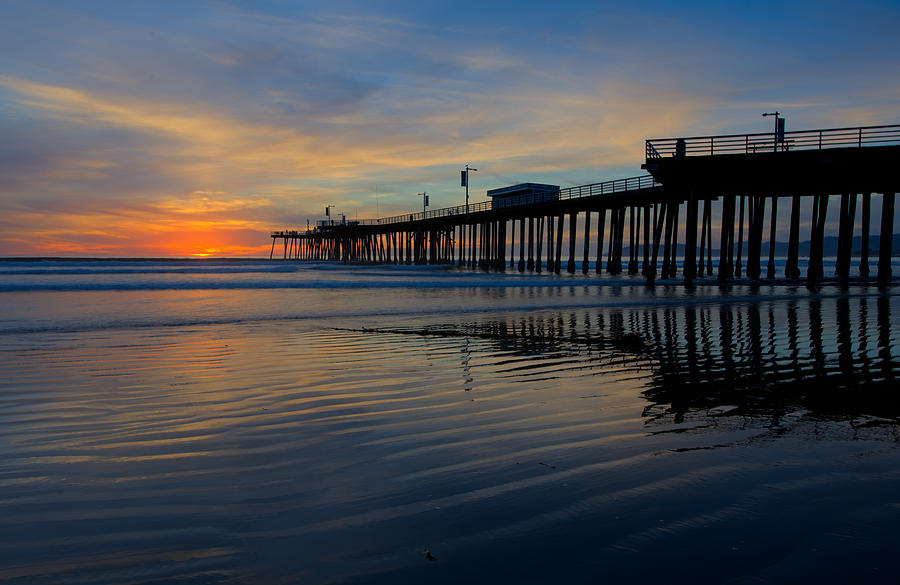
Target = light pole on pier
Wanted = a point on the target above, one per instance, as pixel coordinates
(424, 201)
(465, 183)
(779, 128)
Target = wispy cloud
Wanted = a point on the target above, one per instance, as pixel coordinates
(133, 126)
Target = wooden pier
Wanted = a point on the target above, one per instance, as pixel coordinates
(699, 190)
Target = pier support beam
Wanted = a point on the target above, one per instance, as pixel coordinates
(866, 219)
(704, 229)
(845, 237)
(559, 238)
(673, 263)
(540, 242)
(473, 234)
(633, 242)
(792, 267)
(740, 240)
(586, 260)
(885, 244)
(512, 245)
(756, 217)
(667, 244)
(601, 228)
(646, 266)
(530, 266)
(773, 217)
(817, 235)
(690, 239)
(573, 224)
(550, 240)
(726, 243)
(617, 236)
(659, 219)
(501, 246)
(611, 243)
(522, 245)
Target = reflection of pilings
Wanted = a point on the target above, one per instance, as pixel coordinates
(740, 361)
(885, 349)
(824, 355)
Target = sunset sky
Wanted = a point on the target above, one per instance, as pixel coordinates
(186, 128)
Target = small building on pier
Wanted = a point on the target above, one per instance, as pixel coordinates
(523, 194)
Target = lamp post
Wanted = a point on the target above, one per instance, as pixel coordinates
(465, 183)
(424, 201)
(779, 128)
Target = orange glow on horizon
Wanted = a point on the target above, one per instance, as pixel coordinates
(124, 241)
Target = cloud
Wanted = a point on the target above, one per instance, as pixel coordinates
(127, 124)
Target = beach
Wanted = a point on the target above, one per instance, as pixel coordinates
(279, 422)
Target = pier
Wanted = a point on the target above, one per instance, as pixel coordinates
(698, 191)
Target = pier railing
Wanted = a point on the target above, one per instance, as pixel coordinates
(772, 142)
(592, 190)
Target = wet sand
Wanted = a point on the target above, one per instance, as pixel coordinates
(700, 441)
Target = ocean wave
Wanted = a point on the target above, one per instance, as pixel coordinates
(361, 283)
(144, 270)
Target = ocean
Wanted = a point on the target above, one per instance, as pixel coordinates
(249, 421)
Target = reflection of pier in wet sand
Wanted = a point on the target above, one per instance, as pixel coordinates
(830, 357)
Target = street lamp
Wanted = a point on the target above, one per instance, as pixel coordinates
(779, 128)
(464, 178)
(424, 201)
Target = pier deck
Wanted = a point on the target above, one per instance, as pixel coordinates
(739, 180)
